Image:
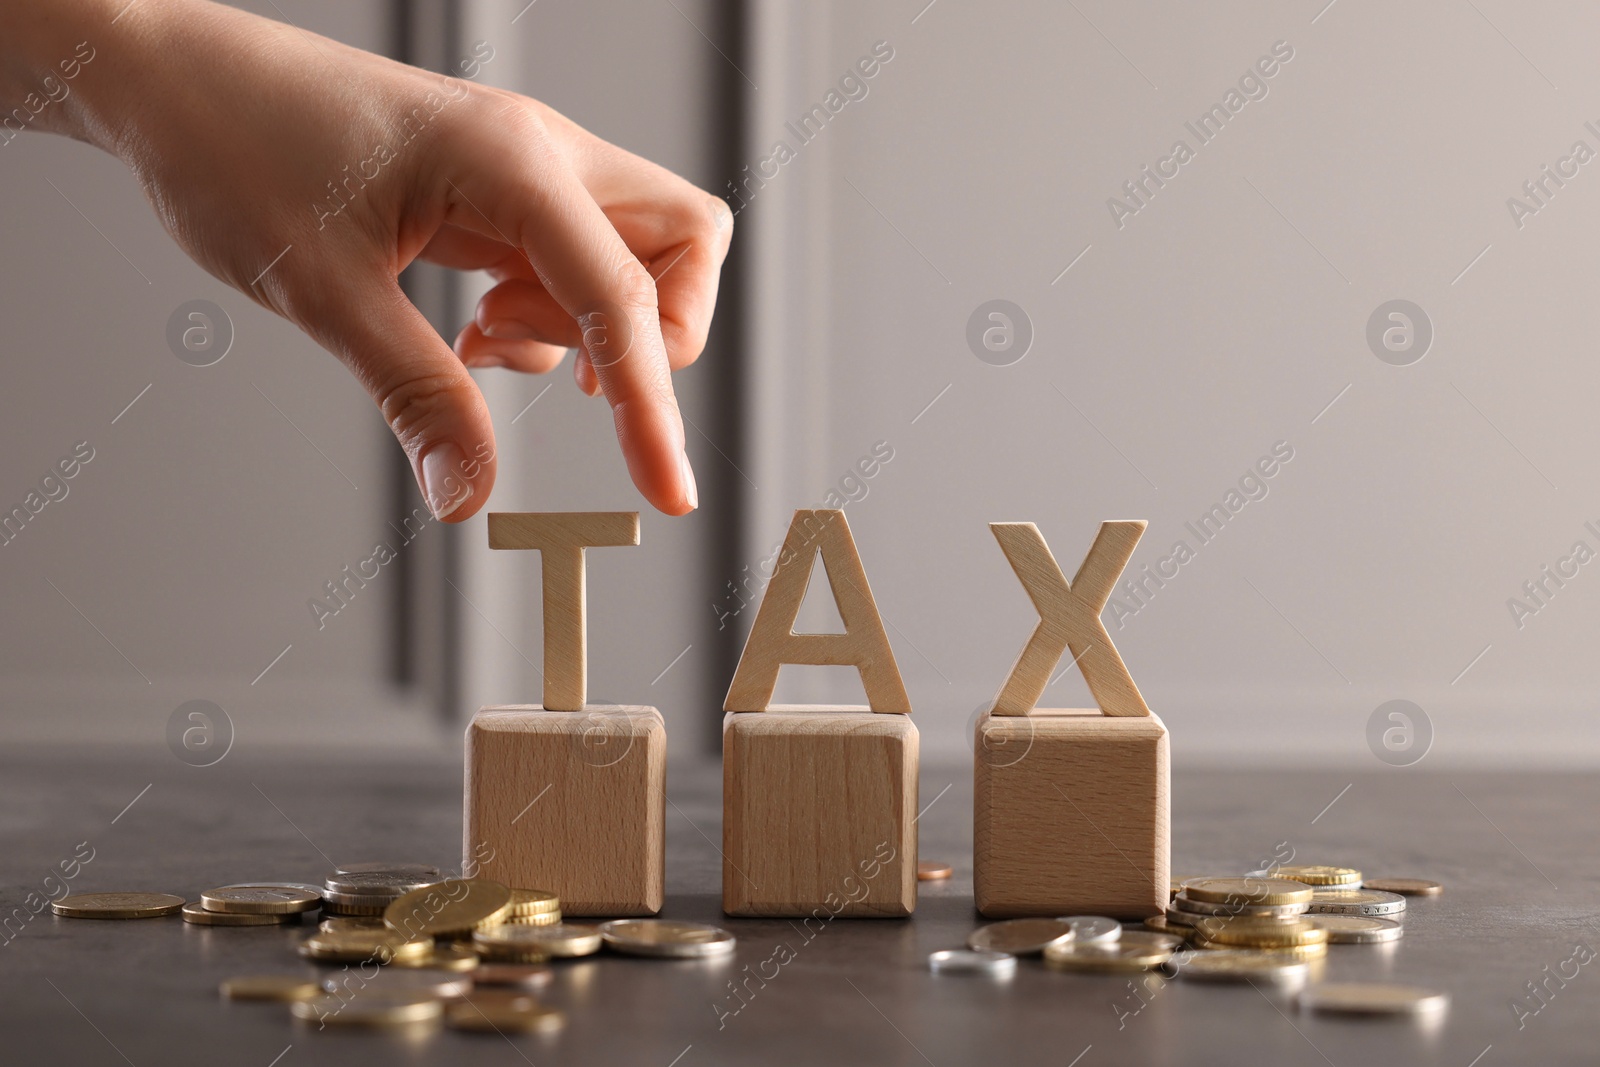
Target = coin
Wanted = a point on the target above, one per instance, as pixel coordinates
(1358, 929)
(1356, 902)
(351, 922)
(371, 1007)
(968, 961)
(533, 902)
(270, 987)
(428, 980)
(1317, 874)
(454, 907)
(1185, 903)
(524, 975)
(1248, 890)
(666, 937)
(314, 890)
(193, 912)
(117, 905)
(1372, 998)
(557, 939)
(382, 878)
(488, 1016)
(1240, 965)
(354, 911)
(1093, 927)
(535, 920)
(1178, 917)
(445, 957)
(1259, 933)
(1134, 951)
(1020, 937)
(1298, 952)
(1411, 887)
(929, 871)
(1162, 925)
(259, 900)
(358, 946)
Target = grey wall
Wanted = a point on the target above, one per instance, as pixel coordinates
(1224, 316)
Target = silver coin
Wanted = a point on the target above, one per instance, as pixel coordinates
(425, 872)
(1358, 929)
(968, 961)
(1020, 937)
(1338, 901)
(376, 880)
(1093, 928)
(1183, 902)
(1372, 998)
(666, 938)
(392, 982)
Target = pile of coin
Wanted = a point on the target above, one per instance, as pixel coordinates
(1268, 926)
(470, 953)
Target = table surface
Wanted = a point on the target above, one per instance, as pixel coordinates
(1515, 851)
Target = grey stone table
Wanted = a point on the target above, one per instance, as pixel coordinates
(1516, 851)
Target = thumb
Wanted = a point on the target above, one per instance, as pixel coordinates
(426, 395)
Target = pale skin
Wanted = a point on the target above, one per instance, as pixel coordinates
(234, 125)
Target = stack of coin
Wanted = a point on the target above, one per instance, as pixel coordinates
(1320, 876)
(534, 907)
(523, 943)
(266, 904)
(117, 905)
(667, 939)
(1247, 897)
(366, 889)
(1296, 937)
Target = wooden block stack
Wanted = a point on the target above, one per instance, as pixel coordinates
(1070, 811)
(819, 803)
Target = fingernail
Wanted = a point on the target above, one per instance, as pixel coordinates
(509, 330)
(691, 492)
(486, 359)
(444, 486)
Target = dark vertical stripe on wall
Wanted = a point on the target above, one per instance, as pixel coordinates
(728, 346)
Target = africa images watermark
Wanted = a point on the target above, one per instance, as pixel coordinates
(1252, 486)
(1252, 85)
(852, 88)
(1538, 591)
(345, 190)
(53, 90)
(1538, 191)
(53, 489)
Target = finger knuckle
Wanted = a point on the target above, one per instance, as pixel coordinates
(414, 403)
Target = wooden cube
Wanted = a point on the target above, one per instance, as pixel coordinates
(1071, 814)
(819, 813)
(573, 802)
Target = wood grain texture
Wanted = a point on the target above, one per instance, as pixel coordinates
(1071, 814)
(560, 538)
(573, 803)
(773, 642)
(819, 808)
(1069, 617)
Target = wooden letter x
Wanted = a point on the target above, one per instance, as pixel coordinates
(773, 642)
(1069, 617)
(561, 538)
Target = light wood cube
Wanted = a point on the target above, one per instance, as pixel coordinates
(1071, 814)
(573, 802)
(819, 813)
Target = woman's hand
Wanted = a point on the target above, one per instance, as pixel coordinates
(308, 174)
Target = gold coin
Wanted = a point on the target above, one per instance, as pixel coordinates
(1190, 906)
(529, 902)
(668, 938)
(362, 911)
(194, 913)
(519, 939)
(495, 1015)
(259, 900)
(1410, 887)
(1162, 925)
(1372, 998)
(1133, 951)
(117, 905)
(1358, 929)
(357, 946)
(372, 1007)
(929, 871)
(1314, 951)
(1020, 937)
(1240, 965)
(340, 923)
(1249, 890)
(430, 980)
(536, 920)
(1321, 875)
(270, 987)
(454, 907)
(444, 957)
(1259, 933)
(524, 975)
